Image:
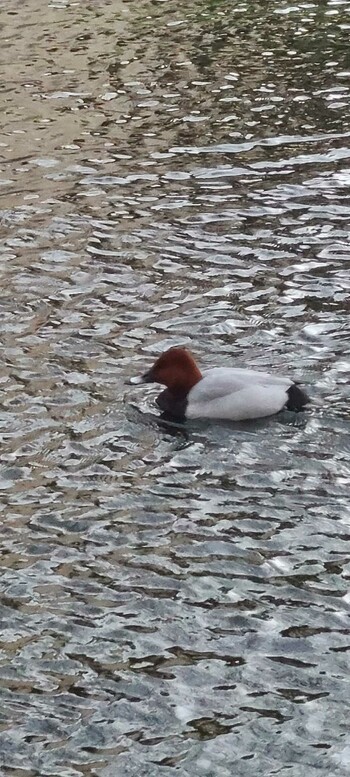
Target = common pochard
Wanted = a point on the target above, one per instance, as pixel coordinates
(230, 393)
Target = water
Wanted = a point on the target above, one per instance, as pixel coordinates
(173, 603)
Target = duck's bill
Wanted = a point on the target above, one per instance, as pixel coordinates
(146, 378)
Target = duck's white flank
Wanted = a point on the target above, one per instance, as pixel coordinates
(237, 394)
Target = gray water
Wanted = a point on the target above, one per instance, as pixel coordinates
(173, 603)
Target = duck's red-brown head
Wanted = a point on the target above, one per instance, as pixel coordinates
(176, 369)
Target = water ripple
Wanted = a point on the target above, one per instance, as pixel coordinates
(173, 598)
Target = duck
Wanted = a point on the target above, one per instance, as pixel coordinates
(226, 393)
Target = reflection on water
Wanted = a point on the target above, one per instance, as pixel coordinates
(173, 599)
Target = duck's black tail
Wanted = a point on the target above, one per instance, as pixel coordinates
(297, 398)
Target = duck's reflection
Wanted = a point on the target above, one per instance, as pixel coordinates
(173, 425)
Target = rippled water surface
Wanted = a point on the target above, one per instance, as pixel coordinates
(173, 603)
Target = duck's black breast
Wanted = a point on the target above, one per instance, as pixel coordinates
(173, 405)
